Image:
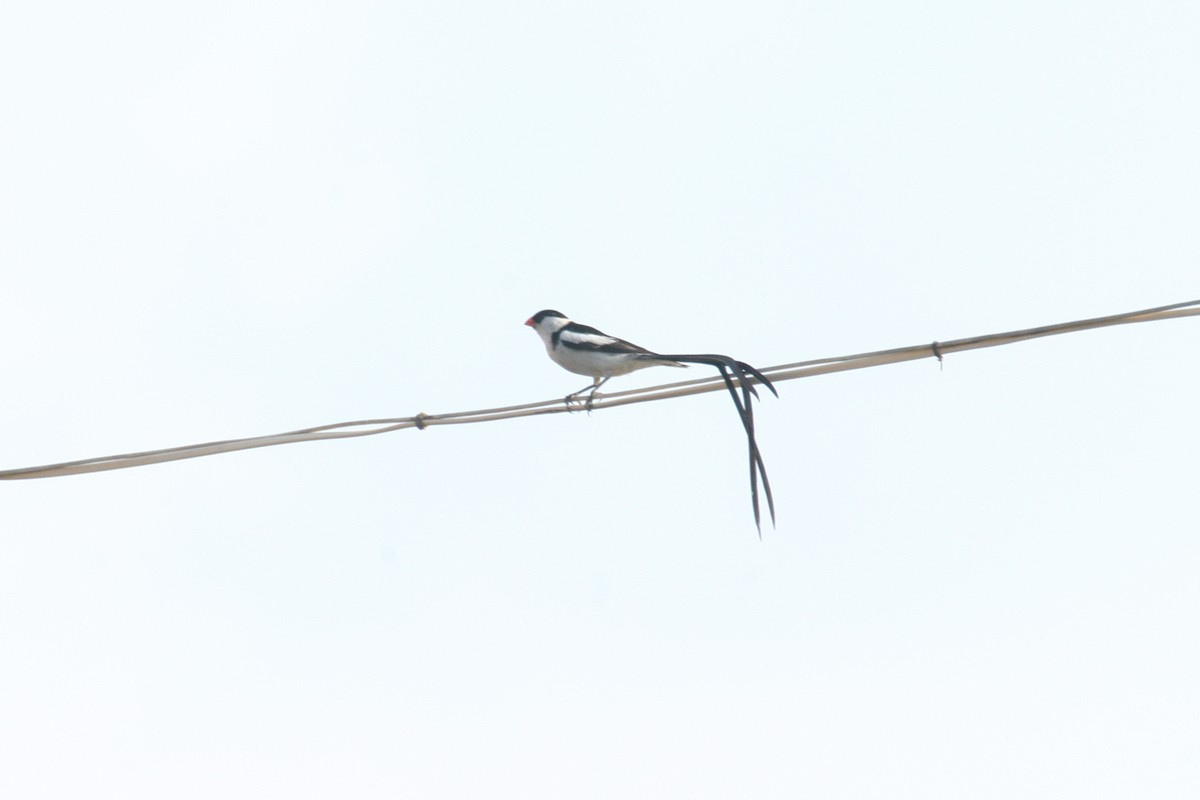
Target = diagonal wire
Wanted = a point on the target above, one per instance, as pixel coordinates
(782, 372)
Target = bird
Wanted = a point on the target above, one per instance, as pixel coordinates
(585, 350)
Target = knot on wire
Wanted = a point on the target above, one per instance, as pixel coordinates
(419, 421)
(936, 347)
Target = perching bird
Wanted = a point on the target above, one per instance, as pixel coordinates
(586, 351)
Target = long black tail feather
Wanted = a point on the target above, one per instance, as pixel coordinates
(728, 369)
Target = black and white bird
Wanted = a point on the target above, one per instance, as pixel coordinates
(586, 351)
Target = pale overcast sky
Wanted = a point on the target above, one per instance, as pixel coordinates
(224, 219)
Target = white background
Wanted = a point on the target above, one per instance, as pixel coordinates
(225, 219)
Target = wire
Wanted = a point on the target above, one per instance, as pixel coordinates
(783, 372)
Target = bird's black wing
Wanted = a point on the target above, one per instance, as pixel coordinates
(584, 337)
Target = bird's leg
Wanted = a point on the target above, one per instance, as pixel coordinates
(591, 389)
(593, 386)
(592, 396)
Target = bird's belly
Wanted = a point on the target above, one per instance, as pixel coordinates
(597, 366)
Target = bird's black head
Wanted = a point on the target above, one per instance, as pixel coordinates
(541, 315)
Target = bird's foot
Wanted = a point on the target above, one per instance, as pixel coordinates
(576, 398)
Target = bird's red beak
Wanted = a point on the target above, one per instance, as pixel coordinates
(529, 322)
